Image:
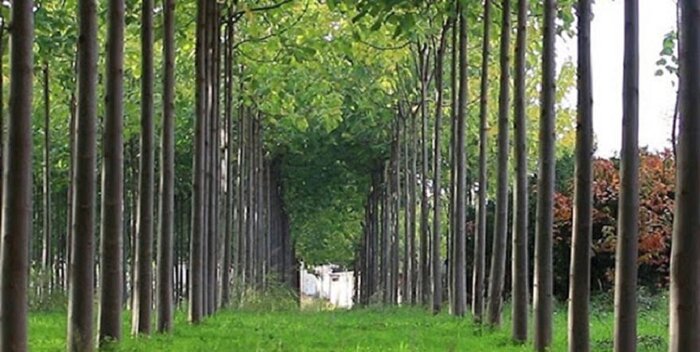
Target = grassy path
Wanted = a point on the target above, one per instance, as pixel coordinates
(359, 330)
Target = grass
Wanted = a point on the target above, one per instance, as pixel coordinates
(373, 329)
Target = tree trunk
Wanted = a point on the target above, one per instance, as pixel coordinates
(47, 255)
(228, 234)
(685, 262)
(519, 267)
(412, 185)
(111, 241)
(425, 283)
(543, 285)
(479, 277)
(141, 319)
(460, 150)
(500, 240)
(453, 158)
(80, 319)
(437, 176)
(17, 181)
(580, 271)
(197, 234)
(628, 210)
(167, 182)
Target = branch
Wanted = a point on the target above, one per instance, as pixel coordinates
(268, 36)
(238, 14)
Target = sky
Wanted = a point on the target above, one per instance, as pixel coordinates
(656, 94)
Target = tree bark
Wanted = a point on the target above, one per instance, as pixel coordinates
(197, 234)
(543, 286)
(685, 261)
(460, 209)
(425, 283)
(519, 268)
(479, 277)
(47, 255)
(111, 241)
(580, 270)
(17, 181)
(141, 319)
(82, 275)
(500, 240)
(167, 182)
(628, 210)
(437, 176)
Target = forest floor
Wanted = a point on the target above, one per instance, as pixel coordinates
(397, 329)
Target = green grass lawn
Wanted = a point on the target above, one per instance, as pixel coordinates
(398, 329)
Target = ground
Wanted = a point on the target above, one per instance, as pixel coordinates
(397, 329)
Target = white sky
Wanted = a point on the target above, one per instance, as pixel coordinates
(656, 94)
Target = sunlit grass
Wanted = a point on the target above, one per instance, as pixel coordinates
(374, 329)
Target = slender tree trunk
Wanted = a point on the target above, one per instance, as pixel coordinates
(460, 208)
(111, 241)
(628, 210)
(543, 286)
(141, 319)
(685, 261)
(424, 203)
(407, 274)
(479, 277)
(2, 111)
(47, 255)
(80, 304)
(519, 268)
(580, 271)
(228, 235)
(453, 160)
(17, 181)
(437, 177)
(197, 234)
(500, 240)
(167, 182)
(412, 185)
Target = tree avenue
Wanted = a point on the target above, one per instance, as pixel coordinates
(238, 149)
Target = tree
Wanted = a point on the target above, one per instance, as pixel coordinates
(111, 241)
(520, 281)
(685, 268)
(500, 241)
(17, 183)
(47, 256)
(197, 234)
(167, 184)
(460, 205)
(141, 319)
(425, 282)
(628, 210)
(437, 176)
(82, 277)
(545, 187)
(580, 270)
(480, 238)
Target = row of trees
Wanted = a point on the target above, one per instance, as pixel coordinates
(237, 185)
(377, 258)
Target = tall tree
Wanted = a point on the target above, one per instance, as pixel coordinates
(500, 240)
(628, 210)
(437, 176)
(543, 285)
(141, 318)
(47, 256)
(425, 283)
(580, 270)
(461, 189)
(3, 26)
(112, 227)
(82, 275)
(17, 182)
(685, 261)
(197, 234)
(167, 181)
(479, 275)
(520, 281)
